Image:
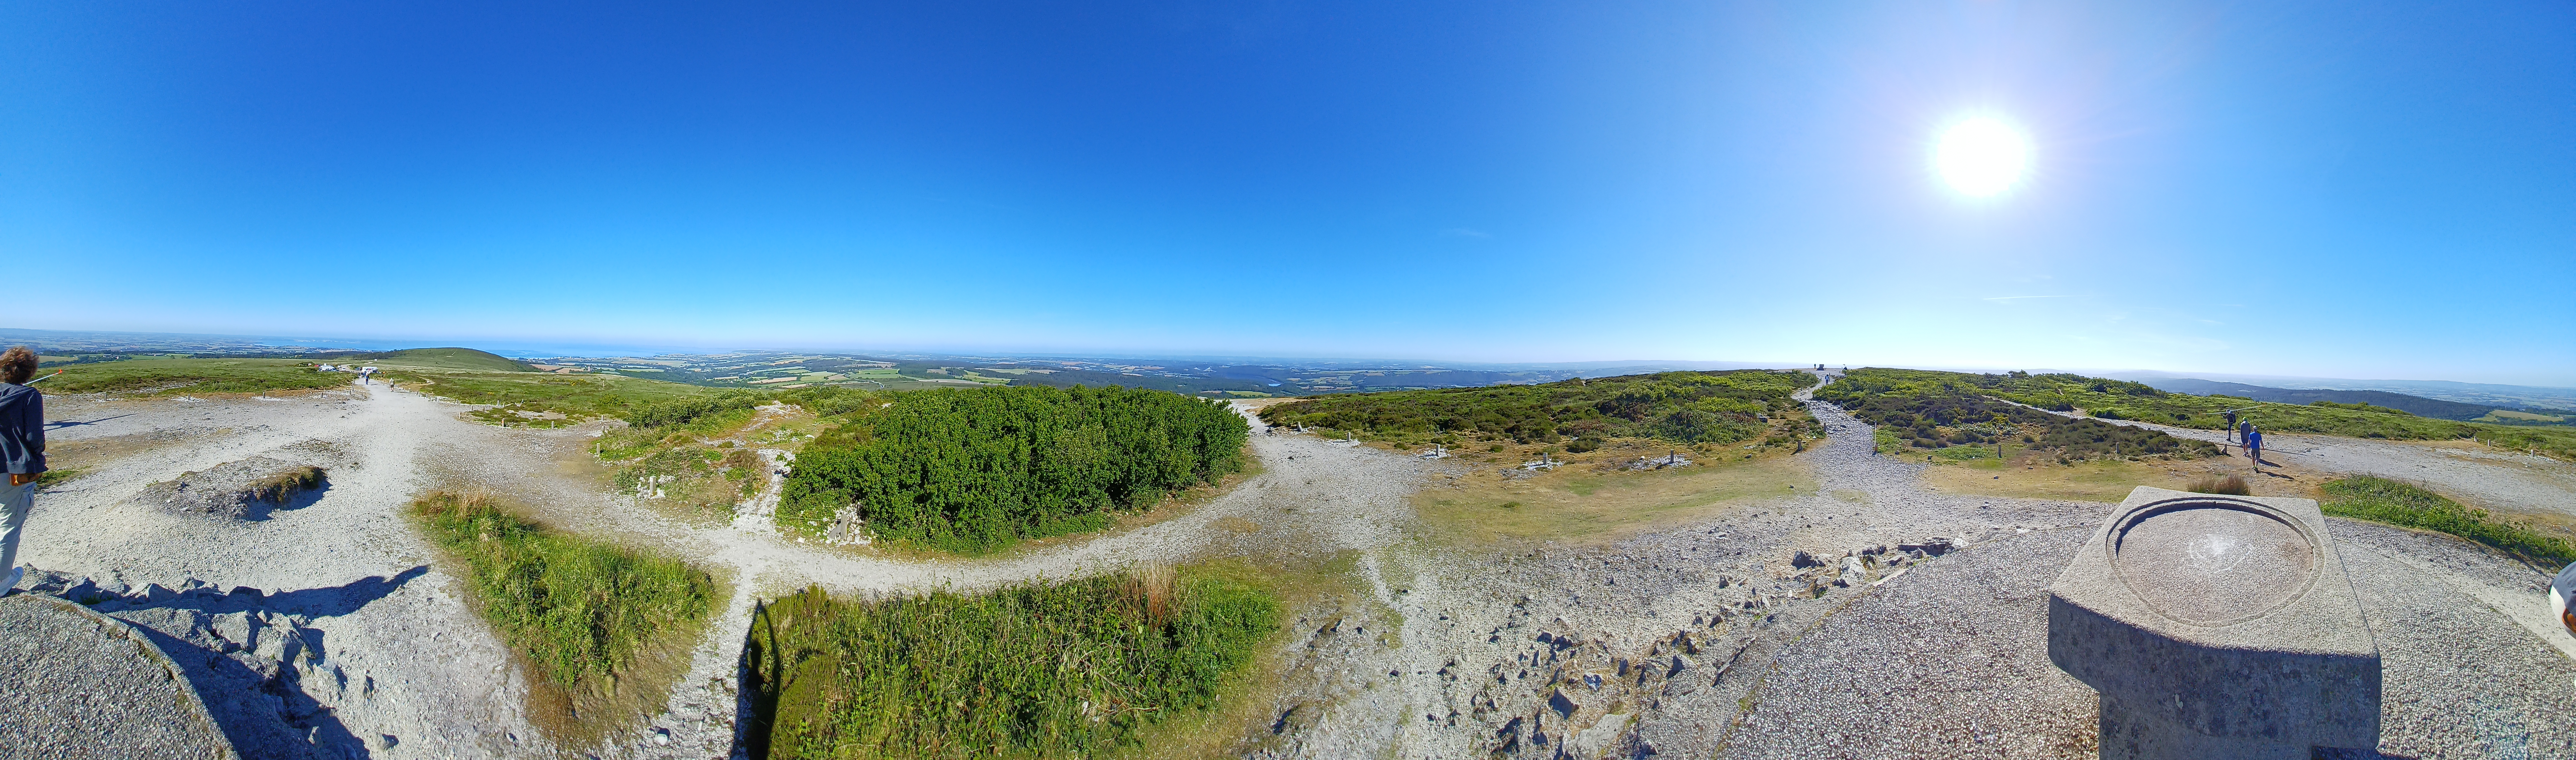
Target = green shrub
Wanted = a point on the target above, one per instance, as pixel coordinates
(970, 469)
(1069, 669)
(581, 610)
(2383, 500)
(1585, 444)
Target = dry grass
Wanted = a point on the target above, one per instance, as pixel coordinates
(2031, 477)
(1583, 503)
(276, 489)
(2231, 485)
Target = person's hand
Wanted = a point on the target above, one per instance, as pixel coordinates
(20, 479)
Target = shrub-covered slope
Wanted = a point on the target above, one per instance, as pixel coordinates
(1689, 407)
(1937, 410)
(2121, 400)
(975, 468)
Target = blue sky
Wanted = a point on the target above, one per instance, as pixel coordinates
(2298, 189)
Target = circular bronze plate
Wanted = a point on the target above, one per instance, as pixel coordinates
(2214, 562)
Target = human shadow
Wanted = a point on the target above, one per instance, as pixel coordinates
(69, 423)
(342, 599)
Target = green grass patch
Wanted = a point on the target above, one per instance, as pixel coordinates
(179, 376)
(2397, 503)
(1072, 668)
(1688, 407)
(582, 611)
(50, 477)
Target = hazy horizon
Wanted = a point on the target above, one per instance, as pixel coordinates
(2308, 190)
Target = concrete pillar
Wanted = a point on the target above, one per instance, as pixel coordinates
(2217, 627)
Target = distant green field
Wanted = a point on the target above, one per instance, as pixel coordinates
(177, 376)
(574, 396)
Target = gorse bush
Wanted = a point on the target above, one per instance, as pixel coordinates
(2383, 500)
(1689, 407)
(581, 610)
(972, 469)
(1066, 669)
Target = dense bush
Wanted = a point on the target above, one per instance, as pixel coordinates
(1691, 407)
(1068, 669)
(975, 468)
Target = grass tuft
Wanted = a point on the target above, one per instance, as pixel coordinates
(1069, 668)
(2383, 500)
(581, 610)
(2231, 485)
(275, 489)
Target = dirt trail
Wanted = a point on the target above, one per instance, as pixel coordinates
(1650, 644)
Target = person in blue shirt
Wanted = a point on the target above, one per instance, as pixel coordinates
(2254, 444)
(22, 448)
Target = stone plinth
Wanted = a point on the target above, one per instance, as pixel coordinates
(2217, 626)
(76, 684)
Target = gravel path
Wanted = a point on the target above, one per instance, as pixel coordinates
(2481, 475)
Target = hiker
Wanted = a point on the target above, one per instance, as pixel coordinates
(22, 445)
(2254, 444)
(2231, 425)
(2244, 429)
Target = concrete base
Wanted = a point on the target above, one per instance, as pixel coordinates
(2132, 734)
(2216, 626)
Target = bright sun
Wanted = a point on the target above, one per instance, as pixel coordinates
(1982, 157)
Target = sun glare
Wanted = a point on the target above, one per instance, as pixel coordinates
(1982, 157)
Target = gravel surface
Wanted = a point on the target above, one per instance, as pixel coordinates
(1655, 644)
(82, 686)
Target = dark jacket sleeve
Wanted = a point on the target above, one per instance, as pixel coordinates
(22, 430)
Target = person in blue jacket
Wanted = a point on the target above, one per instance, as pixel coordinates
(2254, 444)
(22, 447)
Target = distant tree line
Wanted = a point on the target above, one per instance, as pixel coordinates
(974, 468)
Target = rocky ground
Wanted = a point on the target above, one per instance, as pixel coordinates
(1873, 619)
